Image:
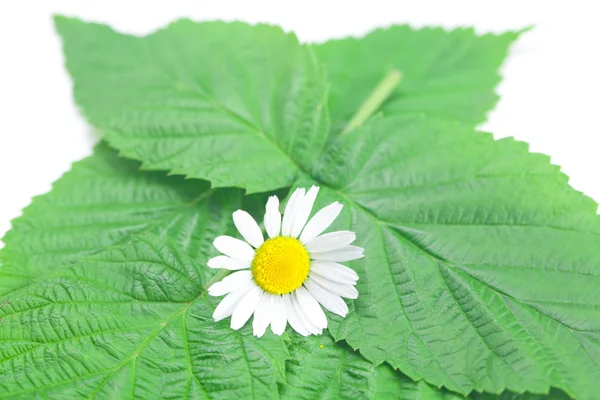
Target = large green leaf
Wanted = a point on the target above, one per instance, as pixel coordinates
(239, 105)
(130, 321)
(103, 292)
(446, 74)
(482, 265)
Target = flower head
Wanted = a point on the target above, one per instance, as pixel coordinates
(289, 276)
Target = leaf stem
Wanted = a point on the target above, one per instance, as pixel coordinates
(382, 91)
(220, 275)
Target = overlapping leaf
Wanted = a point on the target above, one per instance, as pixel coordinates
(446, 74)
(197, 99)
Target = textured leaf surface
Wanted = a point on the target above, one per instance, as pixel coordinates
(319, 368)
(130, 321)
(103, 293)
(482, 264)
(446, 74)
(239, 105)
(105, 200)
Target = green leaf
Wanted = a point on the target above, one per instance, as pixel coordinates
(481, 263)
(130, 321)
(104, 200)
(236, 104)
(446, 74)
(320, 368)
(102, 292)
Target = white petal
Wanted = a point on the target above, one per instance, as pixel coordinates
(234, 248)
(248, 228)
(292, 317)
(347, 291)
(310, 327)
(334, 272)
(273, 217)
(278, 318)
(304, 210)
(330, 301)
(290, 211)
(320, 221)
(347, 253)
(228, 263)
(311, 308)
(331, 241)
(229, 302)
(230, 283)
(262, 315)
(245, 308)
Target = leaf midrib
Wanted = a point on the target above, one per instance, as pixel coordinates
(227, 112)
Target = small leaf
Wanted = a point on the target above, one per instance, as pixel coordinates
(445, 74)
(236, 104)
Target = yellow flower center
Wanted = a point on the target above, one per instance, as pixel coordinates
(280, 265)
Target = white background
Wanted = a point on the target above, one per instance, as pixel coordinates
(549, 96)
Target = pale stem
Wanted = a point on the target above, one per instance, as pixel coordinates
(217, 278)
(382, 91)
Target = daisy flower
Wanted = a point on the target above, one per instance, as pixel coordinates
(288, 277)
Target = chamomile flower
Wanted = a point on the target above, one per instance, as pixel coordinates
(288, 277)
